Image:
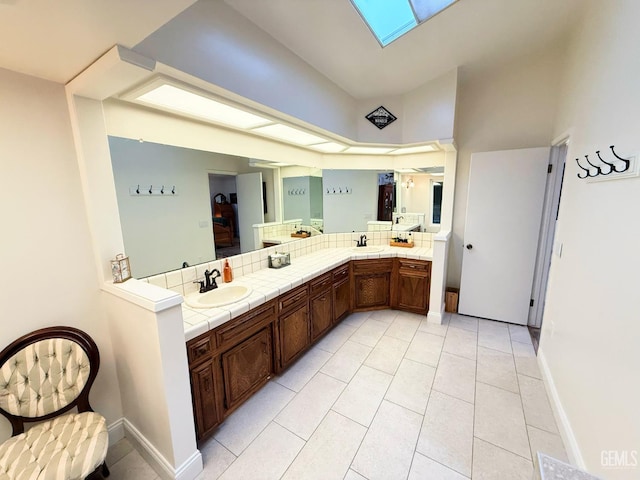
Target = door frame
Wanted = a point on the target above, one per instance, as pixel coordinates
(553, 190)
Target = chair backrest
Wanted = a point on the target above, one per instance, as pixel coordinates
(45, 373)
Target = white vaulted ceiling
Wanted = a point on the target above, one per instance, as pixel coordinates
(57, 39)
(332, 38)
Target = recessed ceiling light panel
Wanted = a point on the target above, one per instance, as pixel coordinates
(368, 150)
(418, 149)
(289, 134)
(328, 147)
(184, 101)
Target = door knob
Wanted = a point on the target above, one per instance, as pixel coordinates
(469, 246)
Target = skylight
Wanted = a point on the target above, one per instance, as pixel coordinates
(390, 19)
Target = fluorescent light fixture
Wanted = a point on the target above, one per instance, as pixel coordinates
(368, 150)
(390, 19)
(329, 147)
(289, 134)
(437, 174)
(405, 170)
(418, 149)
(183, 101)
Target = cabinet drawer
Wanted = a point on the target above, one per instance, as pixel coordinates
(372, 265)
(200, 348)
(320, 284)
(245, 325)
(418, 265)
(292, 298)
(341, 273)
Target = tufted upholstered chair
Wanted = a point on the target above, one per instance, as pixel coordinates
(43, 375)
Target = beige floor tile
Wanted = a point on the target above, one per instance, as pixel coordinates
(351, 475)
(447, 432)
(545, 442)
(537, 410)
(519, 333)
(356, 319)
(118, 451)
(132, 467)
(497, 369)
(526, 360)
(411, 385)
(387, 354)
(304, 413)
(329, 452)
(425, 348)
(463, 322)
(494, 335)
(333, 340)
(216, 460)
(424, 468)
(268, 457)
(456, 376)
(369, 333)
(434, 328)
(499, 419)
(303, 370)
(246, 423)
(387, 449)
(344, 364)
(403, 327)
(362, 397)
(463, 343)
(384, 316)
(494, 463)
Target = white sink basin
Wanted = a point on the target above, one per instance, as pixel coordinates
(223, 295)
(372, 249)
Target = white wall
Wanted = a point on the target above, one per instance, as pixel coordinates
(351, 212)
(296, 205)
(210, 40)
(45, 233)
(503, 108)
(591, 328)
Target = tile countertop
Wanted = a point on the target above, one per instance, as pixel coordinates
(268, 283)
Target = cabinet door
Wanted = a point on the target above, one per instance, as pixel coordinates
(372, 291)
(205, 400)
(294, 333)
(413, 291)
(341, 299)
(321, 317)
(246, 367)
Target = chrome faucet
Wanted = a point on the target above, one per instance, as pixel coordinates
(362, 242)
(209, 282)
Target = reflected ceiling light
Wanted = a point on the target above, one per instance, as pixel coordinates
(329, 147)
(437, 174)
(368, 150)
(408, 183)
(183, 101)
(419, 149)
(405, 170)
(289, 134)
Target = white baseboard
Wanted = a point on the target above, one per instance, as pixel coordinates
(564, 426)
(189, 469)
(435, 317)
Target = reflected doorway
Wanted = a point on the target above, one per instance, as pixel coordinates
(224, 214)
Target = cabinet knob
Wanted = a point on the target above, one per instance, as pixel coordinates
(469, 246)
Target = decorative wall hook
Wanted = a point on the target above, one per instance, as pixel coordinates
(602, 166)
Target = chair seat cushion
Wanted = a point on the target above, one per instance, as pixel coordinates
(68, 447)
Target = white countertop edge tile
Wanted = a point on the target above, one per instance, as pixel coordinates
(270, 283)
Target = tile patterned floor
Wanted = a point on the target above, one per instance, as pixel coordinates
(387, 395)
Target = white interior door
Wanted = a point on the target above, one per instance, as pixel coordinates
(504, 209)
(250, 208)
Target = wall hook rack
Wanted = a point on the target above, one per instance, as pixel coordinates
(150, 190)
(618, 165)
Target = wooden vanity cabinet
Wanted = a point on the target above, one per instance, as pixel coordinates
(320, 305)
(293, 324)
(411, 285)
(370, 284)
(341, 292)
(229, 363)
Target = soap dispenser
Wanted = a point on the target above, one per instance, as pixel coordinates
(227, 274)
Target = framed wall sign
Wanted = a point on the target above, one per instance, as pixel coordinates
(381, 117)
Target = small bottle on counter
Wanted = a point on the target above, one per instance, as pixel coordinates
(227, 273)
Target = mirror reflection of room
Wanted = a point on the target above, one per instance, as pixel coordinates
(224, 208)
